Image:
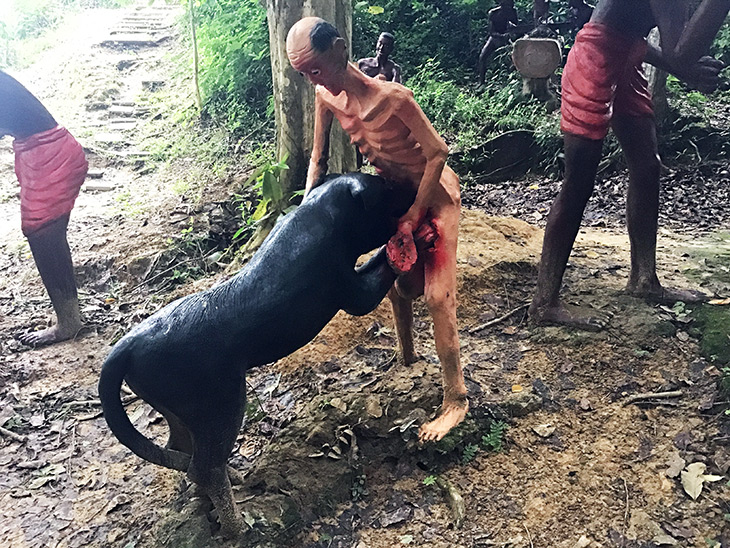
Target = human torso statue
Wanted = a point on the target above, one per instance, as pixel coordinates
(21, 114)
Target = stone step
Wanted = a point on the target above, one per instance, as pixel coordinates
(98, 186)
(110, 138)
(119, 110)
(142, 39)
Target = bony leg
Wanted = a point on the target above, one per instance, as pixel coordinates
(403, 316)
(440, 292)
(53, 260)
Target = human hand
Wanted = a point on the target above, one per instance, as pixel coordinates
(704, 75)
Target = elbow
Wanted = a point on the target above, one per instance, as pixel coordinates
(438, 157)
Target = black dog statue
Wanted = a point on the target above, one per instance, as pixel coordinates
(189, 360)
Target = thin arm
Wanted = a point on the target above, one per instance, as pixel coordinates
(683, 44)
(321, 147)
(434, 149)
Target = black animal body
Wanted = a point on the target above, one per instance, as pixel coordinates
(189, 360)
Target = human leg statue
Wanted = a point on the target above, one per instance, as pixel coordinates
(637, 136)
(440, 294)
(489, 47)
(53, 260)
(581, 163)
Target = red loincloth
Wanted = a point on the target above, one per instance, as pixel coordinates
(603, 77)
(51, 166)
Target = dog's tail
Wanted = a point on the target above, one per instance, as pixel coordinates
(112, 374)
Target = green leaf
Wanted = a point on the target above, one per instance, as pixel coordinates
(261, 210)
(375, 10)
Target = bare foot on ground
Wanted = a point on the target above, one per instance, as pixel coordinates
(570, 316)
(452, 413)
(665, 295)
(51, 335)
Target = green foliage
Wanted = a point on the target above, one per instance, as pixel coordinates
(359, 489)
(452, 31)
(235, 70)
(494, 440)
(466, 119)
(429, 480)
(725, 381)
(271, 201)
(470, 451)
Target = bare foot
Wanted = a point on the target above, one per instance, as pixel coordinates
(570, 316)
(234, 476)
(452, 413)
(666, 295)
(51, 335)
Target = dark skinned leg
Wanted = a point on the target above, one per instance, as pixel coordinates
(53, 259)
(489, 47)
(581, 160)
(638, 141)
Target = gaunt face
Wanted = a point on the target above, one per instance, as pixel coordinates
(384, 47)
(321, 68)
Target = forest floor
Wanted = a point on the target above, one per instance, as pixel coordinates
(329, 445)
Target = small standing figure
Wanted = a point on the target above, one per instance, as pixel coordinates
(579, 13)
(540, 11)
(604, 86)
(385, 122)
(501, 20)
(381, 66)
(51, 166)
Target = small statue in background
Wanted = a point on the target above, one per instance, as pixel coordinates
(501, 20)
(579, 13)
(381, 66)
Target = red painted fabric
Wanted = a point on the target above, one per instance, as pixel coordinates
(51, 166)
(602, 77)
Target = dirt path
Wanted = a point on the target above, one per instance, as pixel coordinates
(578, 468)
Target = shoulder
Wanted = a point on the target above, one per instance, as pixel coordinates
(399, 92)
(321, 94)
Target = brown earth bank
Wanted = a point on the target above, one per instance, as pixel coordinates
(557, 450)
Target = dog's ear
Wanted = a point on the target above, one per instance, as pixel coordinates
(369, 190)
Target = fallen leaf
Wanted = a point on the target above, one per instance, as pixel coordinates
(373, 408)
(591, 254)
(665, 540)
(694, 478)
(585, 404)
(544, 430)
(720, 302)
(339, 404)
(517, 388)
(676, 465)
(511, 330)
(406, 539)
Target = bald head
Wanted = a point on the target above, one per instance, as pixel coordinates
(317, 50)
(310, 35)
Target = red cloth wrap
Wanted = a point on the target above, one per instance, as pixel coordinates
(51, 166)
(603, 77)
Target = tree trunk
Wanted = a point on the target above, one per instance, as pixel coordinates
(294, 96)
(657, 84)
(196, 82)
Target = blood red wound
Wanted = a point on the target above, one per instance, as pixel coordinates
(402, 249)
(402, 253)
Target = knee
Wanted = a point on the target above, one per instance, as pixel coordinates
(441, 299)
(647, 172)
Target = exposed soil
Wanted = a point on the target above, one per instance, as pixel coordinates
(329, 445)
